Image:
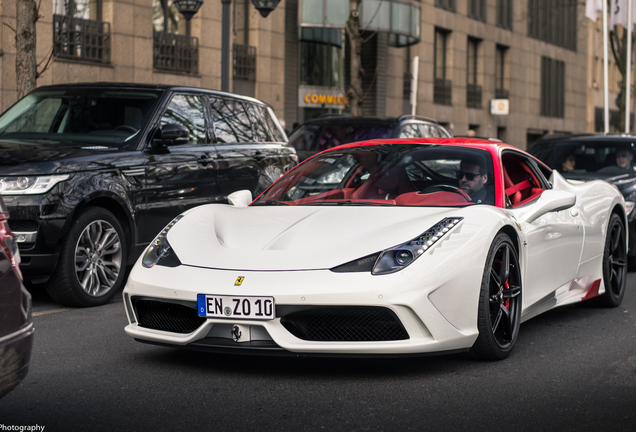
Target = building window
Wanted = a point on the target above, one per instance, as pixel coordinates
(173, 48)
(244, 62)
(477, 9)
(79, 33)
(553, 21)
(442, 93)
(504, 14)
(473, 89)
(501, 89)
(552, 87)
(446, 4)
(321, 62)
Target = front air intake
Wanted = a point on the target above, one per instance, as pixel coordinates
(345, 324)
(170, 317)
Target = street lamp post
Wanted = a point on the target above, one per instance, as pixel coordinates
(263, 6)
(188, 8)
(225, 46)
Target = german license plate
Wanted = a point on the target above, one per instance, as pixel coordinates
(236, 307)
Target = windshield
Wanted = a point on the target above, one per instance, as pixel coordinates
(317, 138)
(397, 174)
(588, 159)
(107, 117)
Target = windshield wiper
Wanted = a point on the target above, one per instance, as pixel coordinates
(270, 202)
(347, 203)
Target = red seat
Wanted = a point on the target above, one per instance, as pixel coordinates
(385, 185)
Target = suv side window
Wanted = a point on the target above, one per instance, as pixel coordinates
(428, 131)
(274, 126)
(231, 122)
(443, 133)
(409, 131)
(261, 132)
(187, 110)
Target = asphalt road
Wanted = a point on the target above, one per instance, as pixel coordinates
(574, 369)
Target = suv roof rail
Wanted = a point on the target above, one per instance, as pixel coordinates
(416, 117)
(333, 115)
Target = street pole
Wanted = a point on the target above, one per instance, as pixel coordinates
(225, 46)
(414, 78)
(605, 72)
(628, 75)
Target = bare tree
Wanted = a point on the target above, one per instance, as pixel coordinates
(25, 42)
(352, 27)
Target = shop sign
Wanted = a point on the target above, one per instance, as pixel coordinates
(499, 106)
(321, 97)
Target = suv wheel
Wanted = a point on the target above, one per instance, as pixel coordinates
(92, 263)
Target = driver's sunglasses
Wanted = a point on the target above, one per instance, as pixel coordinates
(469, 176)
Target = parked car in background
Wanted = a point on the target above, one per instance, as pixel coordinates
(331, 130)
(92, 172)
(594, 156)
(16, 322)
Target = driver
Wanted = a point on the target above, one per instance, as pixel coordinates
(472, 178)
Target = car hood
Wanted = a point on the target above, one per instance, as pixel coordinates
(625, 182)
(43, 157)
(296, 237)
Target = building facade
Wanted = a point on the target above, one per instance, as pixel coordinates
(528, 56)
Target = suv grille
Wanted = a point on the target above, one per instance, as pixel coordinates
(170, 317)
(345, 324)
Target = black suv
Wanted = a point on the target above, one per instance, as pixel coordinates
(92, 172)
(331, 130)
(596, 156)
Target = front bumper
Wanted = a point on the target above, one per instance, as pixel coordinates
(38, 223)
(409, 299)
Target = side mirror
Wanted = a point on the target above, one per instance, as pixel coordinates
(172, 134)
(241, 198)
(549, 201)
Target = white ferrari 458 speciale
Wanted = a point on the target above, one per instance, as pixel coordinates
(383, 247)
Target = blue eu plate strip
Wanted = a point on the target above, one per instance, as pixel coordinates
(201, 304)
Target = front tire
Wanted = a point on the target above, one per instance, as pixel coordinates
(499, 314)
(614, 264)
(92, 264)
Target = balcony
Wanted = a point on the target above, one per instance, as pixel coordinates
(175, 53)
(443, 91)
(81, 39)
(473, 96)
(244, 62)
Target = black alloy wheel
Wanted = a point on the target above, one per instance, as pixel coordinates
(499, 315)
(92, 263)
(614, 264)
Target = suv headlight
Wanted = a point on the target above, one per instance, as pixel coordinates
(30, 185)
(160, 252)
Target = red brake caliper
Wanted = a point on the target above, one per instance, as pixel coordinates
(506, 302)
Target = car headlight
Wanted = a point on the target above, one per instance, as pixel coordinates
(629, 206)
(399, 257)
(30, 185)
(160, 252)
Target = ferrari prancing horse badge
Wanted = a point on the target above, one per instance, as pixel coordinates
(239, 281)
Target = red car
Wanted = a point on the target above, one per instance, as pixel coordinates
(16, 321)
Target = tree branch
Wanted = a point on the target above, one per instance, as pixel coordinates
(49, 56)
(12, 29)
